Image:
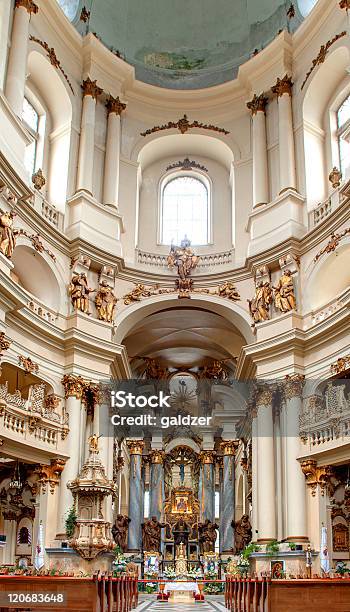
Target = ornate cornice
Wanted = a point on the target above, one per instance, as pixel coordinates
(183, 125)
(257, 104)
(229, 447)
(283, 86)
(316, 475)
(29, 5)
(293, 386)
(90, 88)
(157, 456)
(73, 385)
(114, 105)
(207, 457)
(49, 474)
(135, 446)
(322, 54)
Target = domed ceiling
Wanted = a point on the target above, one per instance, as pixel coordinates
(186, 44)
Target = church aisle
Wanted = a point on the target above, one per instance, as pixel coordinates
(178, 607)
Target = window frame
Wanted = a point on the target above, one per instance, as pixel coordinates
(40, 137)
(206, 181)
(342, 132)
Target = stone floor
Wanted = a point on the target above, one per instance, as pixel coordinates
(155, 606)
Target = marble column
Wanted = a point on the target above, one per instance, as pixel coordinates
(87, 136)
(17, 62)
(135, 495)
(266, 464)
(73, 387)
(112, 159)
(257, 107)
(156, 485)
(208, 486)
(255, 473)
(283, 91)
(295, 481)
(227, 511)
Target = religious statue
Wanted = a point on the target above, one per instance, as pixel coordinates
(153, 370)
(79, 291)
(243, 533)
(215, 371)
(183, 258)
(207, 536)
(181, 532)
(228, 290)
(137, 293)
(105, 301)
(284, 295)
(120, 531)
(93, 443)
(259, 306)
(7, 233)
(151, 534)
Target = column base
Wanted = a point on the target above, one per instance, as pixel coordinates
(263, 541)
(297, 540)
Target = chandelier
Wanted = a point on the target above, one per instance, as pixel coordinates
(15, 483)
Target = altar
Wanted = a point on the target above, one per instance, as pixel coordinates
(191, 587)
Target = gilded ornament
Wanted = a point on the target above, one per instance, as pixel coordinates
(284, 296)
(229, 291)
(152, 369)
(344, 4)
(157, 456)
(90, 88)
(49, 475)
(316, 475)
(35, 239)
(216, 370)
(257, 104)
(52, 402)
(106, 302)
(183, 125)
(184, 259)
(293, 386)
(229, 447)
(283, 86)
(322, 54)
(73, 385)
(140, 291)
(79, 291)
(38, 179)
(135, 446)
(28, 365)
(29, 5)
(341, 365)
(93, 444)
(207, 457)
(5, 343)
(259, 306)
(7, 233)
(54, 61)
(84, 15)
(186, 164)
(114, 105)
(264, 395)
(335, 177)
(291, 11)
(333, 243)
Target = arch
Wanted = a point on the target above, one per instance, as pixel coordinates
(328, 279)
(182, 442)
(30, 268)
(130, 316)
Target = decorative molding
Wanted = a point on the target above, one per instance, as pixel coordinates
(333, 243)
(264, 395)
(183, 125)
(54, 61)
(186, 164)
(316, 475)
(114, 105)
(29, 5)
(38, 179)
(73, 385)
(37, 244)
(28, 365)
(135, 446)
(283, 86)
(157, 456)
(206, 261)
(257, 104)
(293, 387)
(322, 54)
(49, 475)
(229, 447)
(5, 343)
(90, 88)
(341, 365)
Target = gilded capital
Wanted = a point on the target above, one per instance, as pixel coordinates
(345, 4)
(49, 474)
(316, 475)
(229, 447)
(258, 103)
(29, 5)
(157, 456)
(135, 447)
(207, 457)
(90, 88)
(73, 385)
(264, 396)
(293, 386)
(114, 105)
(283, 86)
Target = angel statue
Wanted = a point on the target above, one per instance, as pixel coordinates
(259, 306)
(79, 291)
(7, 233)
(105, 302)
(183, 258)
(284, 295)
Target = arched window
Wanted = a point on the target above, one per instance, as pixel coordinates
(185, 210)
(343, 124)
(31, 119)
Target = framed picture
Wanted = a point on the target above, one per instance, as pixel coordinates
(278, 569)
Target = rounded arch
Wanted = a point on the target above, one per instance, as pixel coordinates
(30, 268)
(182, 442)
(328, 279)
(130, 316)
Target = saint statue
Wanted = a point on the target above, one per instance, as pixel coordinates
(151, 535)
(243, 533)
(259, 306)
(183, 258)
(207, 536)
(7, 233)
(181, 532)
(93, 443)
(284, 293)
(105, 301)
(228, 290)
(79, 291)
(120, 531)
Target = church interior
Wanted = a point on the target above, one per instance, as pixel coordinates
(175, 220)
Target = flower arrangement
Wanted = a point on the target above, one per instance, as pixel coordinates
(243, 565)
(151, 587)
(342, 569)
(194, 573)
(170, 573)
(119, 562)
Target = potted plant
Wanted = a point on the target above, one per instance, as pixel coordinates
(71, 522)
(243, 565)
(151, 587)
(272, 548)
(342, 569)
(119, 562)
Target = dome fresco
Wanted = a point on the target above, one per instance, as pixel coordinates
(188, 43)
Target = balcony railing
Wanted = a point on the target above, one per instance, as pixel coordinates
(325, 419)
(209, 260)
(48, 211)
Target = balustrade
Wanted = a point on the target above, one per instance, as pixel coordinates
(206, 261)
(324, 419)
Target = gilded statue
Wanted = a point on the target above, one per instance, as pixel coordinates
(151, 534)
(7, 233)
(136, 294)
(153, 369)
(93, 443)
(228, 290)
(284, 295)
(79, 291)
(243, 533)
(207, 536)
(259, 306)
(105, 302)
(120, 531)
(183, 258)
(216, 370)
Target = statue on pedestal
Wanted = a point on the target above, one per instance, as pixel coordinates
(207, 536)
(243, 533)
(7, 233)
(105, 302)
(181, 532)
(79, 291)
(120, 531)
(151, 534)
(284, 294)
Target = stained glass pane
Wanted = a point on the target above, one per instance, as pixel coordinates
(185, 211)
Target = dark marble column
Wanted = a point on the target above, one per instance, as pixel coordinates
(135, 495)
(156, 485)
(208, 486)
(227, 511)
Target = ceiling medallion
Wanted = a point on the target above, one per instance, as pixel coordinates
(186, 164)
(322, 55)
(183, 125)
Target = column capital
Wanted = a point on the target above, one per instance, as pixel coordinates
(157, 456)
(293, 386)
(344, 4)
(229, 447)
(90, 88)
(283, 86)
(264, 395)
(29, 5)
(258, 103)
(316, 475)
(49, 474)
(135, 446)
(115, 105)
(73, 385)
(207, 457)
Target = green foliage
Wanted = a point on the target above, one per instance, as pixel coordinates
(292, 545)
(272, 548)
(71, 521)
(342, 569)
(249, 550)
